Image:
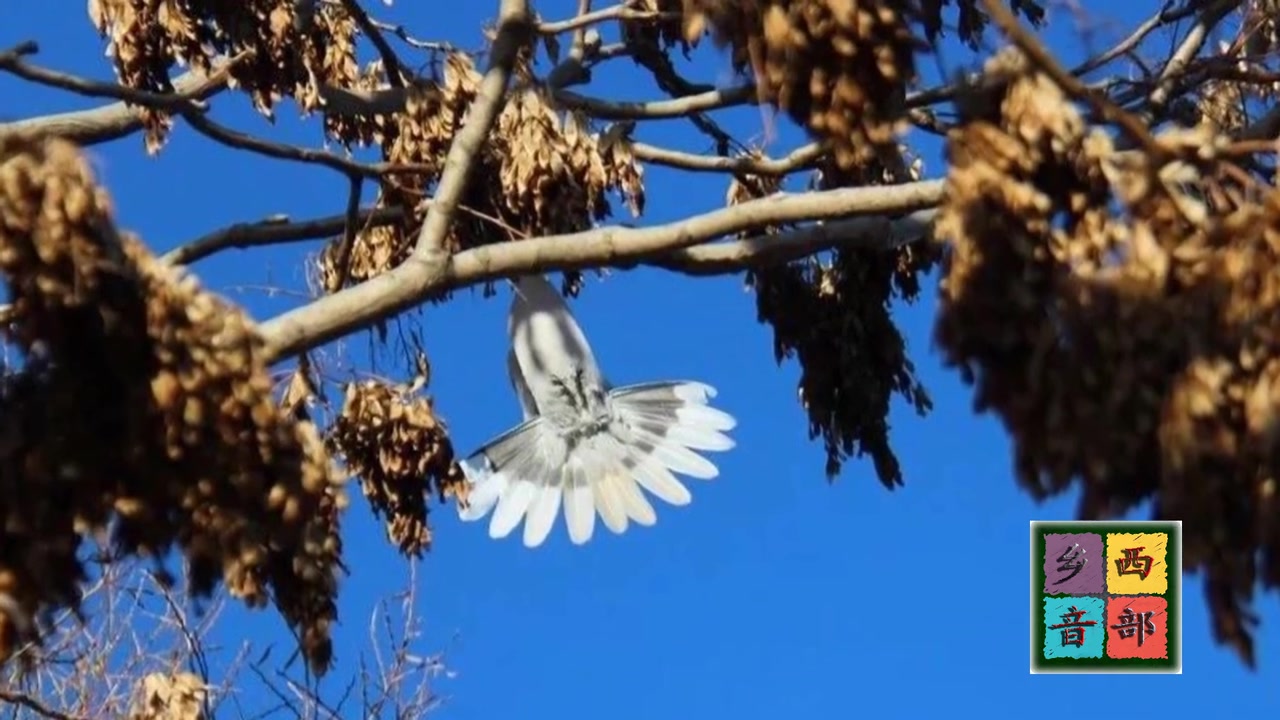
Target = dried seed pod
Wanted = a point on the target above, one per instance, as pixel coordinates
(828, 314)
(837, 67)
(392, 439)
(145, 397)
(289, 56)
(1122, 318)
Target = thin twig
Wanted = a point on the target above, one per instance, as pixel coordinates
(343, 265)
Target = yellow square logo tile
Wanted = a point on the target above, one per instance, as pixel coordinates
(1136, 563)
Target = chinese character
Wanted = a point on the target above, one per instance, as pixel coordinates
(1072, 627)
(1069, 561)
(1134, 564)
(1130, 624)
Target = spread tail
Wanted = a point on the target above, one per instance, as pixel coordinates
(530, 472)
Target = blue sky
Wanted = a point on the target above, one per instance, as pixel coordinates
(774, 593)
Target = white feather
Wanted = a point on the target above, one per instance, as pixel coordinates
(579, 504)
(542, 515)
(512, 507)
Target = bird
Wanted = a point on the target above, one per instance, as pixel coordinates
(584, 445)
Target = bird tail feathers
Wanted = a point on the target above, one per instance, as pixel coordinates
(531, 473)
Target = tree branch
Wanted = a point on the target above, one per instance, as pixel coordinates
(1166, 15)
(880, 232)
(621, 11)
(657, 109)
(35, 706)
(1186, 52)
(119, 119)
(11, 62)
(515, 27)
(410, 283)
(280, 151)
(390, 61)
(274, 231)
(797, 159)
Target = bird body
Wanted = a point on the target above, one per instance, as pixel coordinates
(585, 446)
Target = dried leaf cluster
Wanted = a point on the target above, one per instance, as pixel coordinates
(170, 696)
(833, 317)
(290, 56)
(541, 172)
(143, 409)
(838, 67)
(1121, 314)
(393, 441)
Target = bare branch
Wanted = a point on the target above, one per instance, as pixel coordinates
(273, 231)
(349, 232)
(356, 307)
(621, 11)
(243, 141)
(119, 119)
(657, 109)
(514, 26)
(11, 62)
(797, 159)
(1166, 15)
(871, 233)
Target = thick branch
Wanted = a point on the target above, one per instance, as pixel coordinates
(407, 285)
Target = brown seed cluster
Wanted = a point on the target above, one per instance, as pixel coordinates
(1134, 351)
(291, 56)
(838, 67)
(144, 409)
(541, 172)
(833, 317)
(393, 441)
(170, 696)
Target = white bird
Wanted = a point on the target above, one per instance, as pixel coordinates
(585, 444)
